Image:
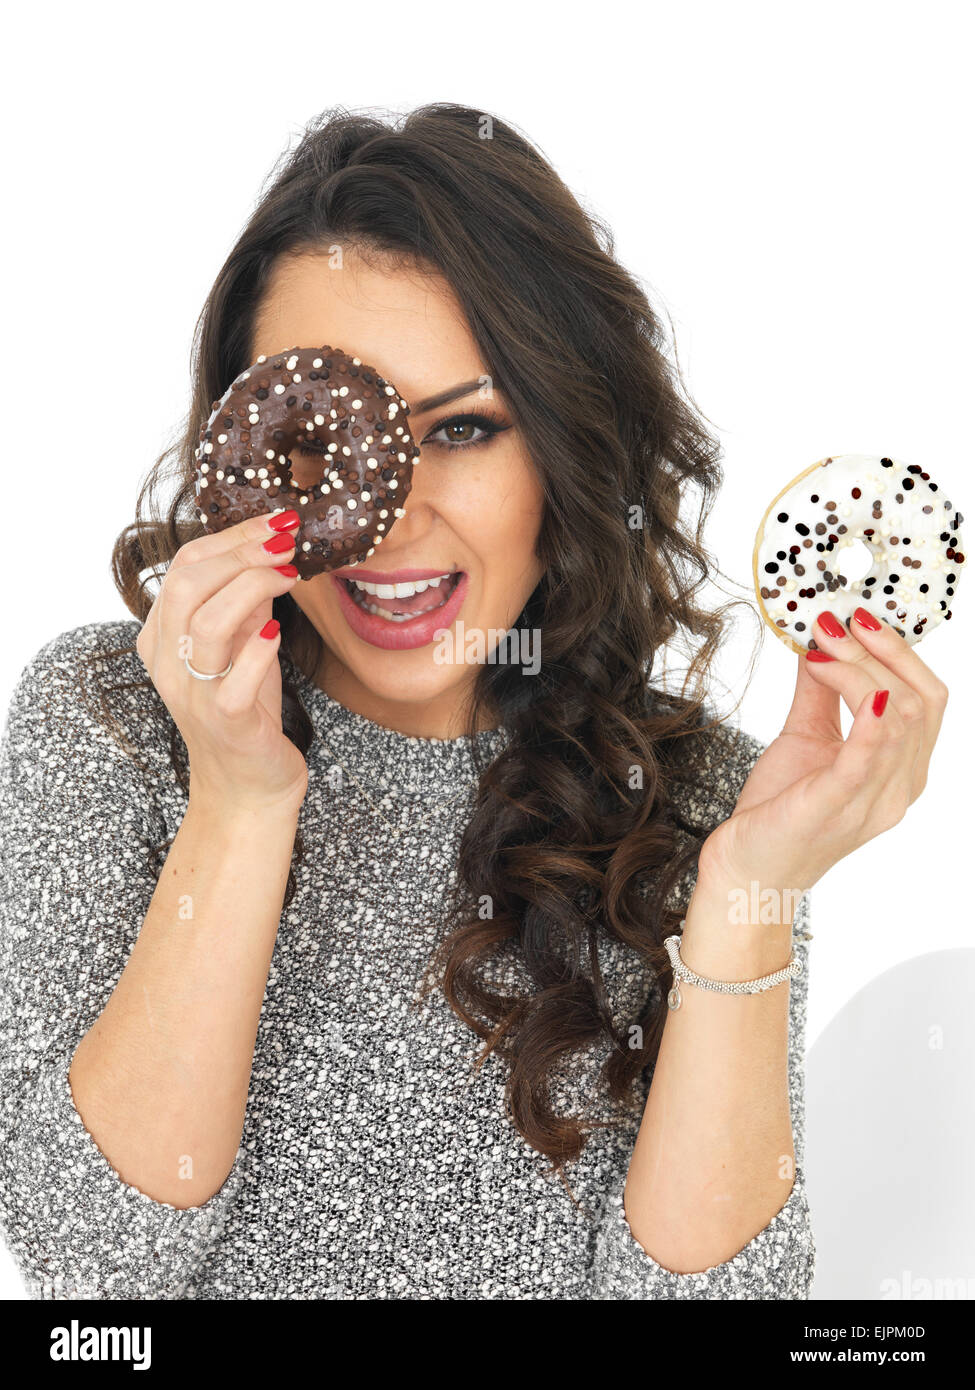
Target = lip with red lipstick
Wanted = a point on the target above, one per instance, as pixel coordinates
(399, 609)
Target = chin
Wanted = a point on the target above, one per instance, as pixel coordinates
(407, 677)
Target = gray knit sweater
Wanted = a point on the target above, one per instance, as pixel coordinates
(375, 1163)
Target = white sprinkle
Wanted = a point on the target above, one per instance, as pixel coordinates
(351, 503)
(317, 362)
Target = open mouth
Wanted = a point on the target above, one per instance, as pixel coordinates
(398, 603)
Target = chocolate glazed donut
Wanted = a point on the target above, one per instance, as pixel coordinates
(324, 402)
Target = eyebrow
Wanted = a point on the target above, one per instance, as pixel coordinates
(452, 393)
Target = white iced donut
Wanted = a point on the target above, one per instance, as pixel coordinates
(896, 510)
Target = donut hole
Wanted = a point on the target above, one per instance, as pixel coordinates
(857, 562)
(309, 464)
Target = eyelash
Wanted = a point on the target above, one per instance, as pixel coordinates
(491, 424)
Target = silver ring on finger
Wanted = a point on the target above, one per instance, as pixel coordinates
(204, 675)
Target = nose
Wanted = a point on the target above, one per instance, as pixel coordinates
(420, 506)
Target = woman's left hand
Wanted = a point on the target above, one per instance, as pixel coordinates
(813, 797)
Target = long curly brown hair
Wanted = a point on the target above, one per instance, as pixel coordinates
(579, 808)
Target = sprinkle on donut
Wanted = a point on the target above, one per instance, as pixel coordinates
(316, 401)
(806, 535)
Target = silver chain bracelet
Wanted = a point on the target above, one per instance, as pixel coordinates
(683, 974)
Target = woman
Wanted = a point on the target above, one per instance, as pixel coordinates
(382, 1018)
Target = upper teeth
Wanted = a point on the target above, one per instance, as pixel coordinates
(407, 590)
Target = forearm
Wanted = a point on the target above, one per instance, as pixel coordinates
(714, 1158)
(162, 1076)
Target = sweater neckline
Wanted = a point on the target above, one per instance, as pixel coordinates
(385, 760)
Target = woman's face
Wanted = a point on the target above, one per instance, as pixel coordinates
(472, 516)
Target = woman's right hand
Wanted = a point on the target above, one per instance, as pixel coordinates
(213, 604)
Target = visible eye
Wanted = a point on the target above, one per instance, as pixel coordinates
(458, 430)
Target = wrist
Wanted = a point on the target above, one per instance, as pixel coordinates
(737, 932)
(239, 812)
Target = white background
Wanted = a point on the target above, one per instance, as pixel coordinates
(792, 184)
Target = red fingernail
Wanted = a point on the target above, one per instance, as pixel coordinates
(288, 570)
(830, 625)
(814, 655)
(284, 521)
(880, 702)
(867, 620)
(270, 628)
(278, 544)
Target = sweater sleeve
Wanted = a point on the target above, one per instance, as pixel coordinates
(77, 827)
(778, 1262)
